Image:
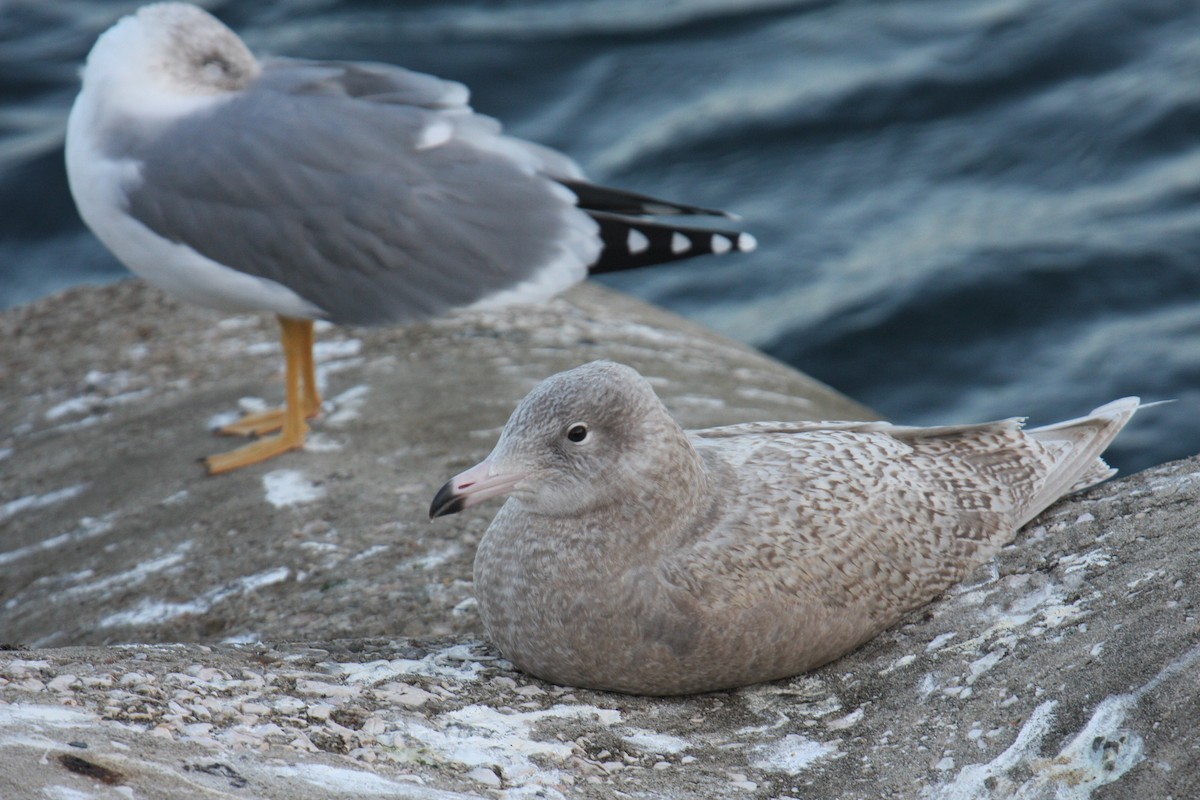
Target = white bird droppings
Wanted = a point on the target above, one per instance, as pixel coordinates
(222, 419)
(52, 716)
(322, 443)
(485, 776)
(480, 736)
(1101, 752)
(1074, 562)
(982, 665)
(457, 663)
(902, 661)
(794, 754)
(75, 405)
(343, 348)
(848, 721)
(289, 487)
(347, 405)
(262, 349)
(88, 528)
(940, 641)
(251, 405)
(155, 612)
(252, 583)
(346, 781)
(33, 501)
(657, 743)
(152, 612)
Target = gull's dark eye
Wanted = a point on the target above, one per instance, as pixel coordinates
(577, 432)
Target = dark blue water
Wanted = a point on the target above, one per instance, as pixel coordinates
(967, 209)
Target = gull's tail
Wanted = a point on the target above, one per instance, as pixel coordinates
(633, 238)
(1074, 446)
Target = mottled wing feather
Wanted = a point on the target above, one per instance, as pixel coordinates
(863, 514)
(1099, 472)
(870, 426)
(1077, 445)
(878, 516)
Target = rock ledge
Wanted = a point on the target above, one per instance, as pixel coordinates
(1065, 668)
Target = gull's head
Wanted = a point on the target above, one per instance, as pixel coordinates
(580, 441)
(172, 49)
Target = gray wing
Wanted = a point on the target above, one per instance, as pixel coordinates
(368, 81)
(373, 192)
(387, 83)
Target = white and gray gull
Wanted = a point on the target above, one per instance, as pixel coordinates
(634, 556)
(359, 193)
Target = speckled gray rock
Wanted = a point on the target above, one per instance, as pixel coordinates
(1065, 668)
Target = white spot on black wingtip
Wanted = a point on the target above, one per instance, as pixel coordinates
(636, 241)
(721, 244)
(746, 243)
(680, 243)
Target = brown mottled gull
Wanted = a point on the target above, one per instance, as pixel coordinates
(637, 557)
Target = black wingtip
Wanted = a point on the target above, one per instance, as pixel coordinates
(631, 242)
(591, 197)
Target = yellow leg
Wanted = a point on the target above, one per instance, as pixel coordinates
(271, 420)
(308, 371)
(297, 350)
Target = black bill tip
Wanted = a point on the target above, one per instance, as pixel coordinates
(447, 501)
